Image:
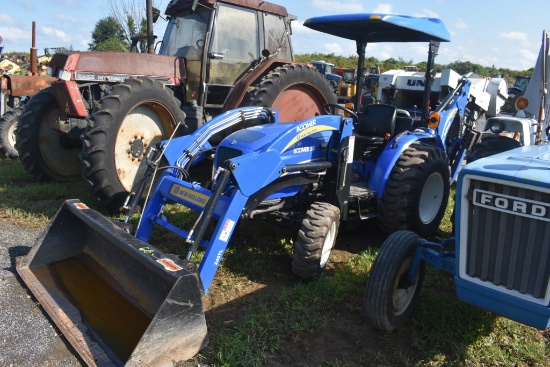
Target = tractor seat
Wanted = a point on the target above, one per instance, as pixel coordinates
(376, 123)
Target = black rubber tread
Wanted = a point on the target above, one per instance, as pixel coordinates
(265, 92)
(100, 138)
(308, 245)
(9, 122)
(399, 206)
(28, 142)
(492, 145)
(394, 252)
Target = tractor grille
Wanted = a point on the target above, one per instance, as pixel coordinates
(507, 244)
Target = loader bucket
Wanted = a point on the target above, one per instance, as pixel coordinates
(119, 301)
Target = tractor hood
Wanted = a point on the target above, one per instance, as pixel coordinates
(529, 164)
(381, 28)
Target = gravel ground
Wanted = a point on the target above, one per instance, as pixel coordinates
(27, 337)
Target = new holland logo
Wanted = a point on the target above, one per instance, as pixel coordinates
(512, 204)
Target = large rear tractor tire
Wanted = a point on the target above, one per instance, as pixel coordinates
(417, 191)
(491, 145)
(134, 115)
(8, 125)
(46, 154)
(296, 90)
(315, 240)
(391, 295)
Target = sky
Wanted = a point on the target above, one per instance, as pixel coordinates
(504, 34)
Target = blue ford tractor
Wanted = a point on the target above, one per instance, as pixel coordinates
(499, 256)
(326, 173)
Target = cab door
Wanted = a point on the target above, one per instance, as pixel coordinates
(234, 48)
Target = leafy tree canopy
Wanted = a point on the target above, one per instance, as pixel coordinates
(106, 29)
(461, 67)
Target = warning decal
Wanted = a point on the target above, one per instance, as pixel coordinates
(227, 229)
(169, 264)
(81, 206)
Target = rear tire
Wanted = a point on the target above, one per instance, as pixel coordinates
(46, 154)
(296, 90)
(134, 115)
(8, 125)
(490, 146)
(390, 296)
(417, 191)
(315, 240)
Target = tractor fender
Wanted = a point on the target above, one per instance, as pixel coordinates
(389, 156)
(25, 85)
(236, 97)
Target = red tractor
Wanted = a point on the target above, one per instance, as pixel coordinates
(105, 108)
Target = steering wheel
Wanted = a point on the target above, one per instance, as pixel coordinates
(330, 108)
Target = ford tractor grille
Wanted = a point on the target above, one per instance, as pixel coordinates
(505, 237)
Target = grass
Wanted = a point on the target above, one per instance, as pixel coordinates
(443, 331)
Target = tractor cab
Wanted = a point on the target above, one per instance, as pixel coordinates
(223, 40)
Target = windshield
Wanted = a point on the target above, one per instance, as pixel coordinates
(184, 36)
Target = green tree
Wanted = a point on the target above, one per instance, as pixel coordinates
(112, 44)
(106, 29)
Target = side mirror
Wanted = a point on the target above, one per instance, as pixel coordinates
(156, 14)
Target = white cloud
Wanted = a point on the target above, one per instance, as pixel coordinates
(515, 37)
(298, 27)
(528, 58)
(333, 48)
(460, 24)
(7, 20)
(66, 19)
(13, 34)
(426, 13)
(28, 4)
(383, 9)
(60, 35)
(339, 7)
(70, 3)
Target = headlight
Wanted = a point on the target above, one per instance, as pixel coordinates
(497, 127)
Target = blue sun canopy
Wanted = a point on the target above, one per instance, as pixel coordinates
(381, 28)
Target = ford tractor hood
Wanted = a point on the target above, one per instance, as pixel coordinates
(530, 164)
(381, 27)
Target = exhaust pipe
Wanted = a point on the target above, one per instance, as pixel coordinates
(119, 301)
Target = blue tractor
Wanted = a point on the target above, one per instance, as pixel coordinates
(500, 254)
(326, 68)
(325, 173)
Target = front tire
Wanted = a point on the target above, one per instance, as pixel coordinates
(46, 154)
(417, 191)
(390, 295)
(133, 116)
(8, 125)
(296, 90)
(315, 240)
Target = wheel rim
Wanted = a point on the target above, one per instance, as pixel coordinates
(299, 102)
(403, 290)
(11, 134)
(431, 198)
(328, 244)
(60, 156)
(144, 126)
